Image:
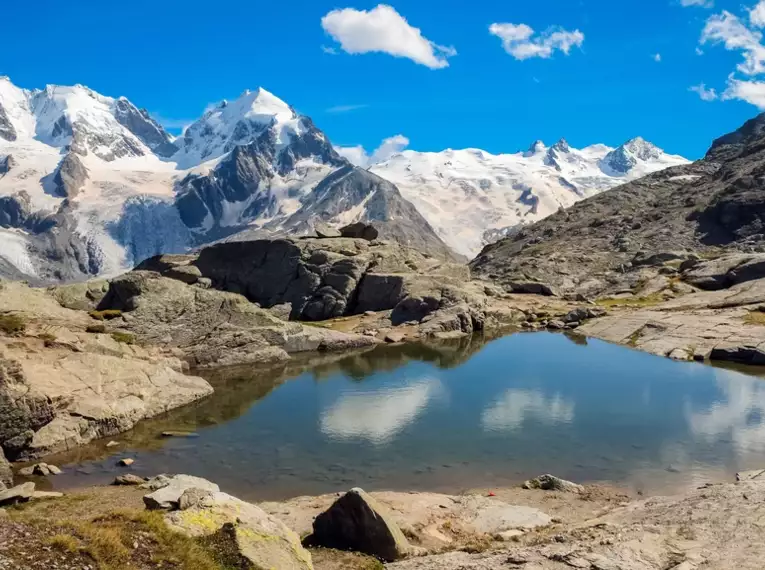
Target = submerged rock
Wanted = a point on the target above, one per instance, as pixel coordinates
(357, 522)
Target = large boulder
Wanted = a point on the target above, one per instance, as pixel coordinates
(552, 483)
(6, 472)
(19, 494)
(359, 230)
(357, 522)
(254, 538)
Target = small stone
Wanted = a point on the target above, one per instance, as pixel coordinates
(112, 443)
(194, 497)
(41, 469)
(394, 336)
(369, 313)
(27, 471)
(556, 325)
(128, 480)
(126, 462)
(552, 483)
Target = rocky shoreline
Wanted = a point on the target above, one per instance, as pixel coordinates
(546, 524)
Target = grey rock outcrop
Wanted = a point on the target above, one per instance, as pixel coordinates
(357, 522)
(6, 472)
(138, 122)
(7, 130)
(212, 327)
(7, 162)
(326, 231)
(70, 176)
(323, 278)
(19, 494)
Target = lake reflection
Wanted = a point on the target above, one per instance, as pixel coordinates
(451, 417)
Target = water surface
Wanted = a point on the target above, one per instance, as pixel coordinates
(454, 417)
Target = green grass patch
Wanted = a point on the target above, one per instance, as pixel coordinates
(125, 338)
(13, 325)
(755, 317)
(96, 328)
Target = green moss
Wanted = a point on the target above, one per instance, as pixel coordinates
(125, 338)
(97, 328)
(755, 317)
(647, 301)
(106, 315)
(48, 338)
(13, 325)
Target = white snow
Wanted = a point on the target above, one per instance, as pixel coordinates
(13, 248)
(465, 193)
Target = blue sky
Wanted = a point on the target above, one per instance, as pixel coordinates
(174, 58)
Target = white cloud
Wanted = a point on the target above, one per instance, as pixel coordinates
(699, 51)
(657, 57)
(750, 91)
(705, 94)
(329, 50)
(727, 29)
(702, 3)
(510, 411)
(757, 15)
(378, 416)
(520, 42)
(359, 156)
(345, 108)
(382, 29)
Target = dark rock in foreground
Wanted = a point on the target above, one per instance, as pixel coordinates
(357, 522)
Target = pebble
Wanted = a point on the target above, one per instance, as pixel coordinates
(126, 462)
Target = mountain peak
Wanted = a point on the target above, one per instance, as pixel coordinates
(536, 147)
(642, 149)
(561, 146)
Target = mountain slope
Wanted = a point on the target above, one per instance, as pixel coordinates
(598, 246)
(472, 197)
(92, 185)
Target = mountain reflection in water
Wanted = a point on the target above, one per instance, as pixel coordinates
(473, 413)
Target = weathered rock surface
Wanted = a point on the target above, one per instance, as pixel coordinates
(357, 522)
(58, 394)
(19, 494)
(6, 472)
(260, 541)
(168, 490)
(359, 230)
(211, 327)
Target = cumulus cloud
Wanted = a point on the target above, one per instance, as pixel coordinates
(757, 15)
(750, 91)
(702, 91)
(360, 157)
(701, 3)
(731, 32)
(382, 29)
(520, 40)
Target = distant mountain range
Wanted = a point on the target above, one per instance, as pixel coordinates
(91, 185)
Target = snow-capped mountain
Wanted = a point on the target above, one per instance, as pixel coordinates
(91, 185)
(472, 197)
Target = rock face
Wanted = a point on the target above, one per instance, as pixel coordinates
(6, 473)
(357, 522)
(80, 387)
(20, 494)
(6, 163)
(255, 539)
(324, 278)
(616, 241)
(70, 176)
(138, 122)
(212, 327)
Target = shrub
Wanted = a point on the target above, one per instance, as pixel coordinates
(106, 315)
(13, 325)
(123, 337)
